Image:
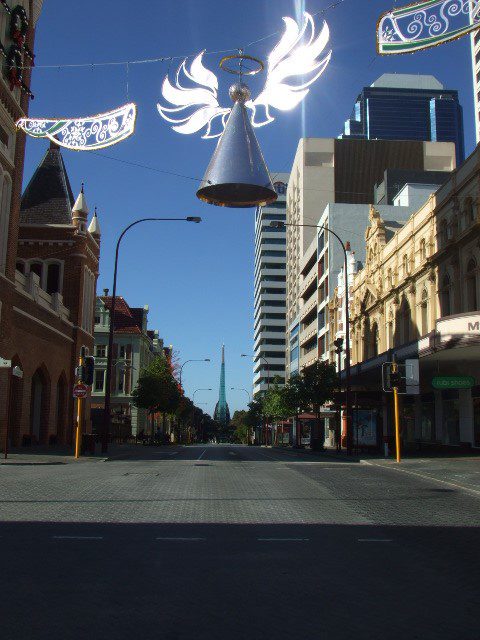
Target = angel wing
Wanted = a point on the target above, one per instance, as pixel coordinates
(296, 57)
(196, 107)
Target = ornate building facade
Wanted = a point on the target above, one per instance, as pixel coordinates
(418, 297)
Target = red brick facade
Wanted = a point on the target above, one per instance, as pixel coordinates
(43, 320)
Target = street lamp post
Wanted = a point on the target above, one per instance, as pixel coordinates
(249, 400)
(348, 406)
(193, 405)
(186, 362)
(249, 355)
(108, 381)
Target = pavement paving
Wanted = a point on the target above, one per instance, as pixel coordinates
(237, 542)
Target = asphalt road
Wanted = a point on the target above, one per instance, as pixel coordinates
(233, 542)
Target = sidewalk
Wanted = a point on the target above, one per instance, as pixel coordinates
(45, 455)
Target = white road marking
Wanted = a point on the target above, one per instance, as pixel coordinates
(232, 453)
(77, 537)
(202, 454)
(283, 539)
(182, 539)
(373, 540)
(175, 453)
(475, 492)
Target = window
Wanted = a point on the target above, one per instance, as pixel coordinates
(20, 266)
(99, 380)
(5, 191)
(97, 319)
(472, 298)
(390, 333)
(36, 267)
(121, 377)
(405, 265)
(423, 250)
(53, 278)
(390, 278)
(444, 231)
(100, 350)
(469, 211)
(424, 312)
(122, 351)
(445, 297)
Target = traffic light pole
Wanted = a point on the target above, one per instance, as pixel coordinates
(397, 412)
(80, 409)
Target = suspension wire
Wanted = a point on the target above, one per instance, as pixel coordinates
(145, 166)
(113, 63)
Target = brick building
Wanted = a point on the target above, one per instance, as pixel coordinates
(49, 312)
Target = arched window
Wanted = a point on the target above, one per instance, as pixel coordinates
(37, 267)
(406, 322)
(424, 312)
(469, 210)
(4, 224)
(454, 227)
(53, 278)
(374, 341)
(20, 266)
(444, 232)
(423, 250)
(471, 284)
(390, 332)
(445, 297)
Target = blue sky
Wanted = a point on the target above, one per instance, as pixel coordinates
(198, 279)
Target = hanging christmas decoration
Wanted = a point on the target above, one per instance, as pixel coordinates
(84, 134)
(237, 175)
(426, 24)
(294, 64)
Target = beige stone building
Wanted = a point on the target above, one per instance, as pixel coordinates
(332, 183)
(418, 297)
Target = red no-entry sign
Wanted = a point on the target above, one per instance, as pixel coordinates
(80, 390)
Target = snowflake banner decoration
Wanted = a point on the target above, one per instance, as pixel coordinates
(426, 24)
(294, 64)
(84, 134)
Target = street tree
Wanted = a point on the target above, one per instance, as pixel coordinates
(157, 390)
(313, 388)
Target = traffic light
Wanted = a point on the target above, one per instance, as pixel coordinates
(395, 379)
(89, 369)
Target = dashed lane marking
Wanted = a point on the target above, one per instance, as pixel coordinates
(77, 537)
(181, 539)
(373, 540)
(283, 539)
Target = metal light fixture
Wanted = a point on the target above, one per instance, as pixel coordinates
(237, 175)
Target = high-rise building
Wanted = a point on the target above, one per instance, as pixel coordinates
(475, 40)
(328, 187)
(270, 292)
(408, 107)
(222, 412)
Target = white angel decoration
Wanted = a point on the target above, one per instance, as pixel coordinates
(293, 65)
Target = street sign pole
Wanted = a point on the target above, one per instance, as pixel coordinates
(80, 411)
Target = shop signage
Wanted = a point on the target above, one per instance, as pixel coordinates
(453, 382)
(465, 325)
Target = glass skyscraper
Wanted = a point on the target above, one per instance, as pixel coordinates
(408, 107)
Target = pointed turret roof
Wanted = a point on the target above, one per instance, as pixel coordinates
(94, 226)
(48, 198)
(81, 203)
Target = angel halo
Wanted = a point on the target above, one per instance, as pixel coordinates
(299, 54)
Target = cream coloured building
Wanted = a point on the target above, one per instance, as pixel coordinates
(418, 297)
(332, 183)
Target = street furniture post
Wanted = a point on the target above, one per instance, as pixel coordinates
(395, 380)
(80, 407)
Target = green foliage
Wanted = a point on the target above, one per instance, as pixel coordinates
(241, 434)
(157, 389)
(278, 402)
(316, 386)
(254, 414)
